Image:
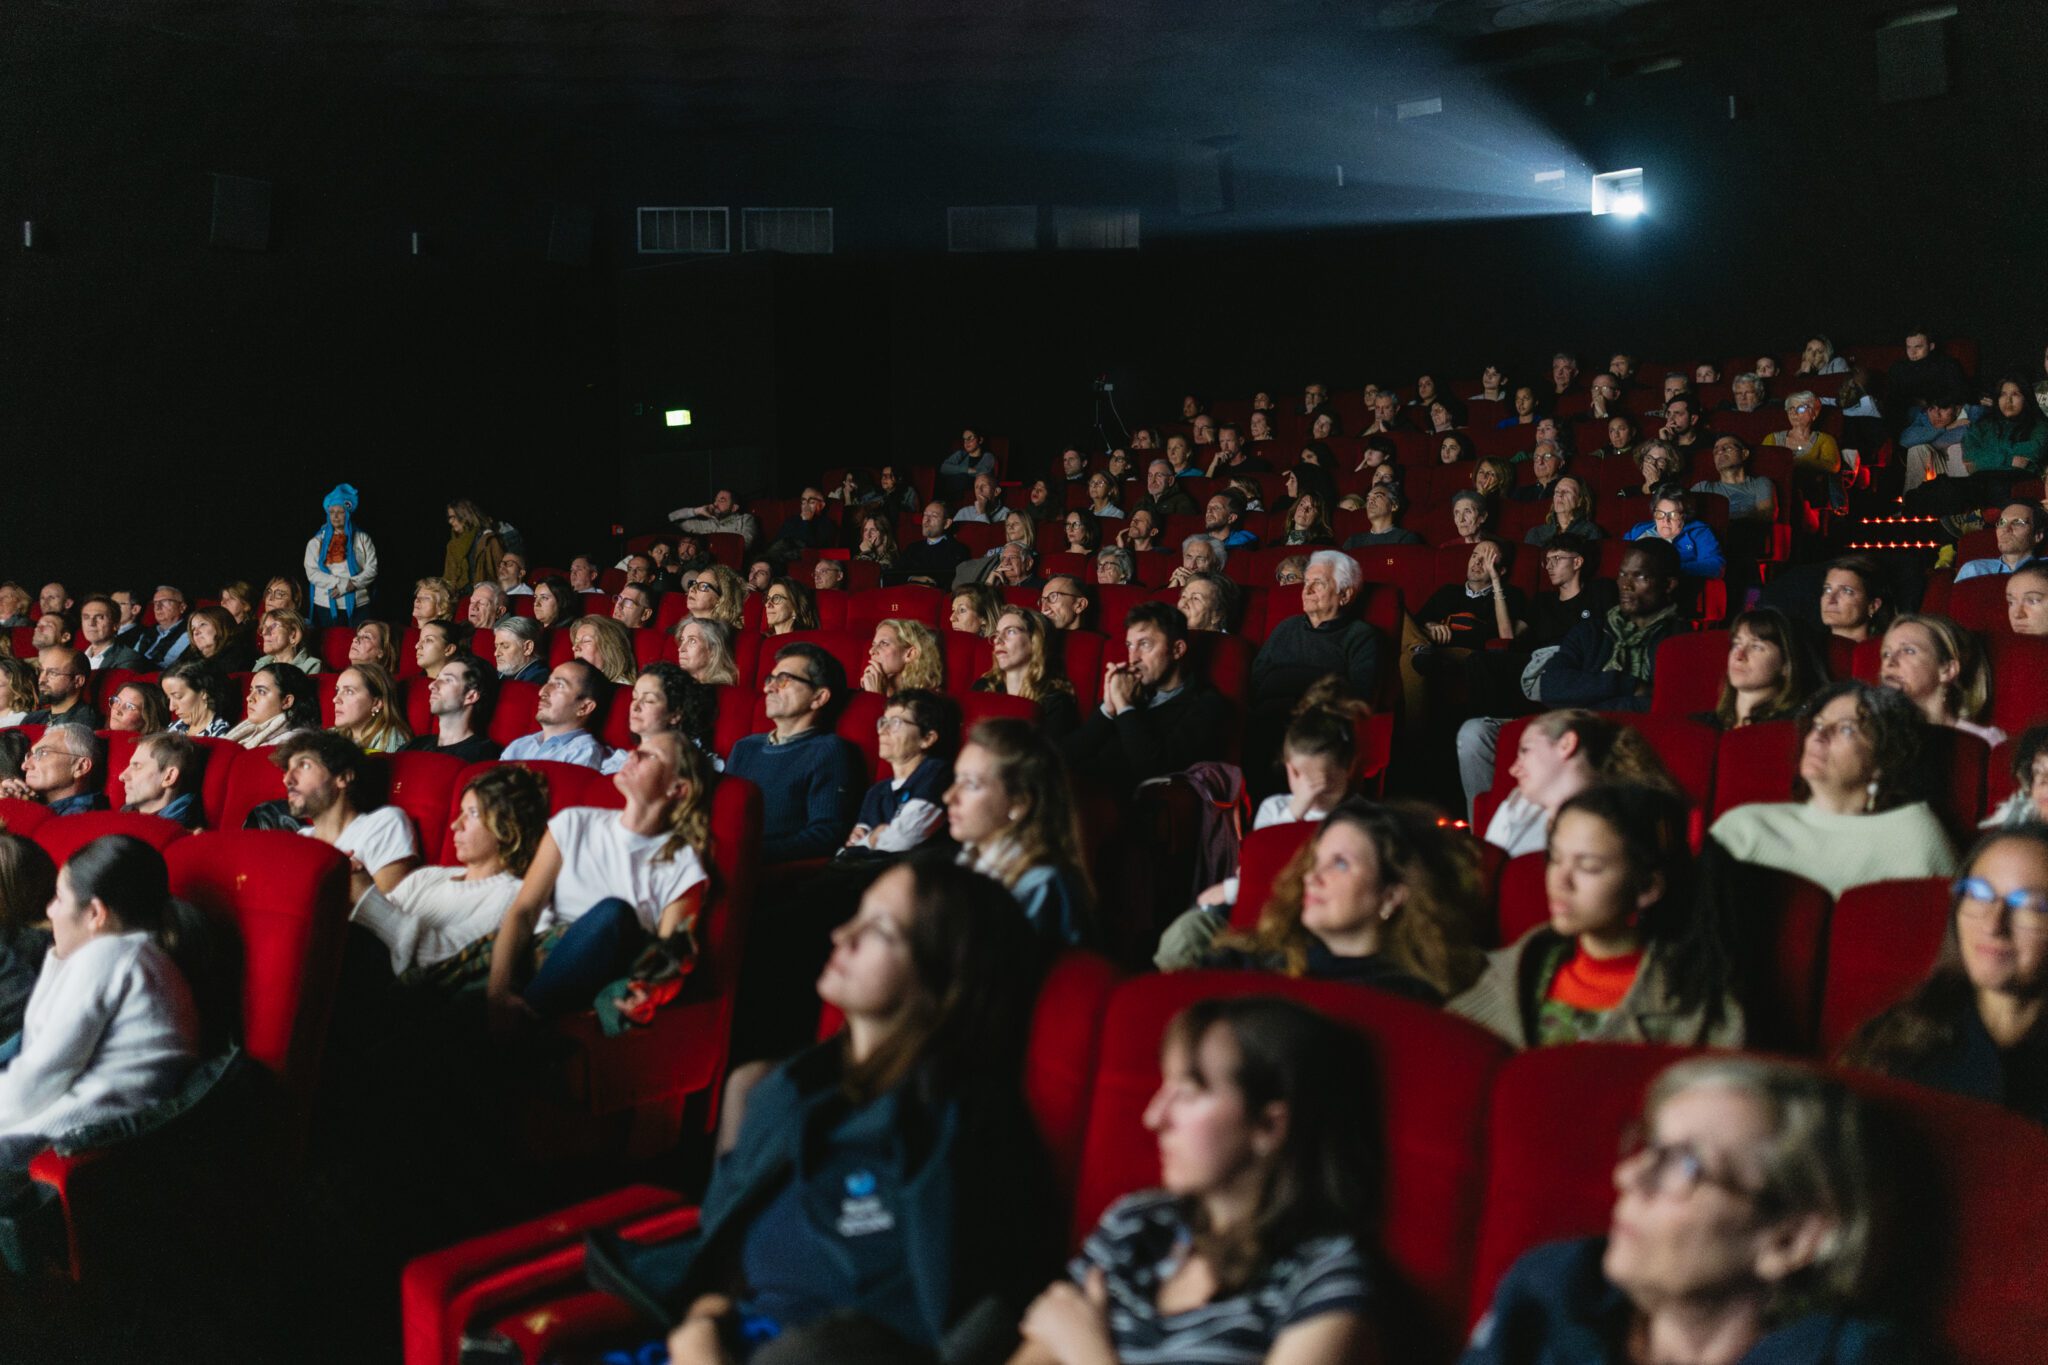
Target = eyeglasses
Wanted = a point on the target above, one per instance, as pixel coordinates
(1665, 515)
(887, 723)
(709, 585)
(1846, 731)
(45, 751)
(2027, 911)
(2010, 523)
(782, 679)
(1672, 1169)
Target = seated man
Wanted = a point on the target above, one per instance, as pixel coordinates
(917, 735)
(1324, 639)
(934, 558)
(165, 642)
(164, 778)
(1199, 553)
(1014, 566)
(634, 606)
(459, 698)
(1682, 426)
(584, 575)
(2018, 532)
(1064, 601)
(486, 606)
(988, 505)
(811, 780)
(1156, 717)
(1164, 497)
(1073, 466)
(1933, 440)
(1546, 462)
(98, 622)
(1208, 601)
(1383, 502)
(809, 529)
(828, 575)
(322, 773)
(567, 708)
(61, 673)
(1484, 607)
(515, 645)
(721, 515)
(1750, 498)
(51, 630)
(1231, 456)
(66, 771)
(1608, 664)
(1699, 549)
(603, 884)
(1223, 521)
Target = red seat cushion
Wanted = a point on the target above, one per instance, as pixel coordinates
(1882, 941)
(63, 835)
(1261, 858)
(1691, 666)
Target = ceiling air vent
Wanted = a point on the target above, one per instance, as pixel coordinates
(805, 232)
(683, 231)
(1001, 227)
(1095, 229)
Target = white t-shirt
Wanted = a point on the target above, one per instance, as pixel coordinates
(602, 859)
(1519, 826)
(380, 838)
(435, 913)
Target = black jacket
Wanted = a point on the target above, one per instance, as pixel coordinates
(1151, 741)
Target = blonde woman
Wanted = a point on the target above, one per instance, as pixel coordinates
(877, 541)
(704, 651)
(1937, 666)
(432, 600)
(717, 594)
(373, 644)
(282, 637)
(787, 606)
(1021, 669)
(904, 654)
(603, 644)
(367, 710)
(238, 600)
(18, 694)
(1010, 811)
(975, 607)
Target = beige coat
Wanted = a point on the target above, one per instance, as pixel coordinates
(1502, 1001)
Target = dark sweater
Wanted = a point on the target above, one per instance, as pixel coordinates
(1296, 654)
(811, 787)
(475, 749)
(927, 560)
(1150, 741)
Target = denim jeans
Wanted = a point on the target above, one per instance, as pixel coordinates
(594, 951)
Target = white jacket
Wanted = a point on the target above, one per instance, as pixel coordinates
(110, 1030)
(328, 586)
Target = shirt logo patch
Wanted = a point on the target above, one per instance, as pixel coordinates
(861, 1213)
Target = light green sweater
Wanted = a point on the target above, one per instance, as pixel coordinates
(1838, 851)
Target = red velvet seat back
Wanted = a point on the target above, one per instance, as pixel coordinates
(288, 896)
(1691, 667)
(252, 779)
(1522, 901)
(976, 707)
(2019, 679)
(423, 786)
(1066, 1043)
(1433, 1075)
(513, 715)
(63, 835)
(1882, 942)
(1755, 763)
(1261, 858)
(911, 602)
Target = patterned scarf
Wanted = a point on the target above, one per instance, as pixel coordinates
(1633, 647)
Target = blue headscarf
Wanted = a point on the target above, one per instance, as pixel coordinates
(344, 495)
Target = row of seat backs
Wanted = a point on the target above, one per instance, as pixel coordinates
(1691, 667)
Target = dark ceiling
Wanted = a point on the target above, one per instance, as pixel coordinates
(1162, 65)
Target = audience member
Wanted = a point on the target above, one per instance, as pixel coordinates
(916, 736)
(1115, 567)
(340, 562)
(373, 644)
(280, 701)
(603, 644)
(327, 789)
(1222, 521)
(1854, 599)
(216, 640)
(166, 641)
(1383, 502)
(1156, 716)
(2018, 532)
(1938, 667)
(811, 780)
(715, 594)
(96, 626)
(14, 605)
(474, 548)
(704, 649)
(566, 710)
(435, 646)
(1208, 602)
(459, 700)
(65, 770)
(282, 636)
(1610, 662)
(987, 504)
(1199, 553)
(367, 710)
(1561, 753)
(18, 695)
(516, 645)
(61, 680)
(1750, 497)
(2026, 600)
(1484, 607)
(487, 605)
(200, 698)
(28, 883)
(1022, 666)
(1770, 673)
(1141, 533)
(959, 470)
(1324, 639)
(634, 606)
(164, 777)
(1064, 602)
(664, 699)
(1672, 520)
(1571, 513)
(827, 575)
(974, 609)
(556, 604)
(935, 557)
(720, 516)
(903, 655)
(1164, 497)
(1011, 811)
(432, 600)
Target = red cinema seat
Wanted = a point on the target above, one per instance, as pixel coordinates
(2019, 680)
(1882, 942)
(1261, 858)
(326, 683)
(652, 646)
(287, 900)
(333, 647)
(910, 602)
(513, 715)
(423, 786)
(1080, 662)
(1113, 601)
(967, 658)
(417, 702)
(1979, 604)
(222, 757)
(735, 717)
(1690, 669)
(1432, 1076)
(63, 835)
(976, 707)
(1522, 901)
(1755, 763)
(120, 750)
(252, 779)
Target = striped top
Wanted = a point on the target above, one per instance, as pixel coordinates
(1138, 1243)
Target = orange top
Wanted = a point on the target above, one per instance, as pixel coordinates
(1595, 984)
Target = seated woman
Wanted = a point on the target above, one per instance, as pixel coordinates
(28, 882)
(1493, 386)
(1621, 440)
(1102, 498)
(704, 651)
(1815, 456)
(1083, 533)
(1258, 1245)
(436, 912)
(877, 544)
(199, 698)
(1040, 502)
(1744, 1219)
(603, 644)
(437, 644)
(1326, 425)
(432, 600)
(237, 599)
(1771, 672)
(281, 700)
(284, 594)
(139, 708)
(1630, 954)
(1022, 668)
(1454, 448)
(1383, 896)
(1671, 518)
(1140, 533)
(1526, 413)
(1561, 753)
(974, 610)
(916, 736)
(217, 639)
(1978, 1025)
(1818, 357)
(1470, 516)
(667, 699)
(1659, 463)
(2026, 599)
(368, 711)
(1493, 479)
(556, 602)
(604, 884)
(111, 1027)
(1936, 664)
(904, 654)
(2011, 439)
(787, 606)
(1571, 511)
(1446, 414)
(1853, 818)
(1010, 811)
(1308, 522)
(2028, 804)
(920, 1096)
(283, 638)
(19, 692)
(374, 644)
(718, 594)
